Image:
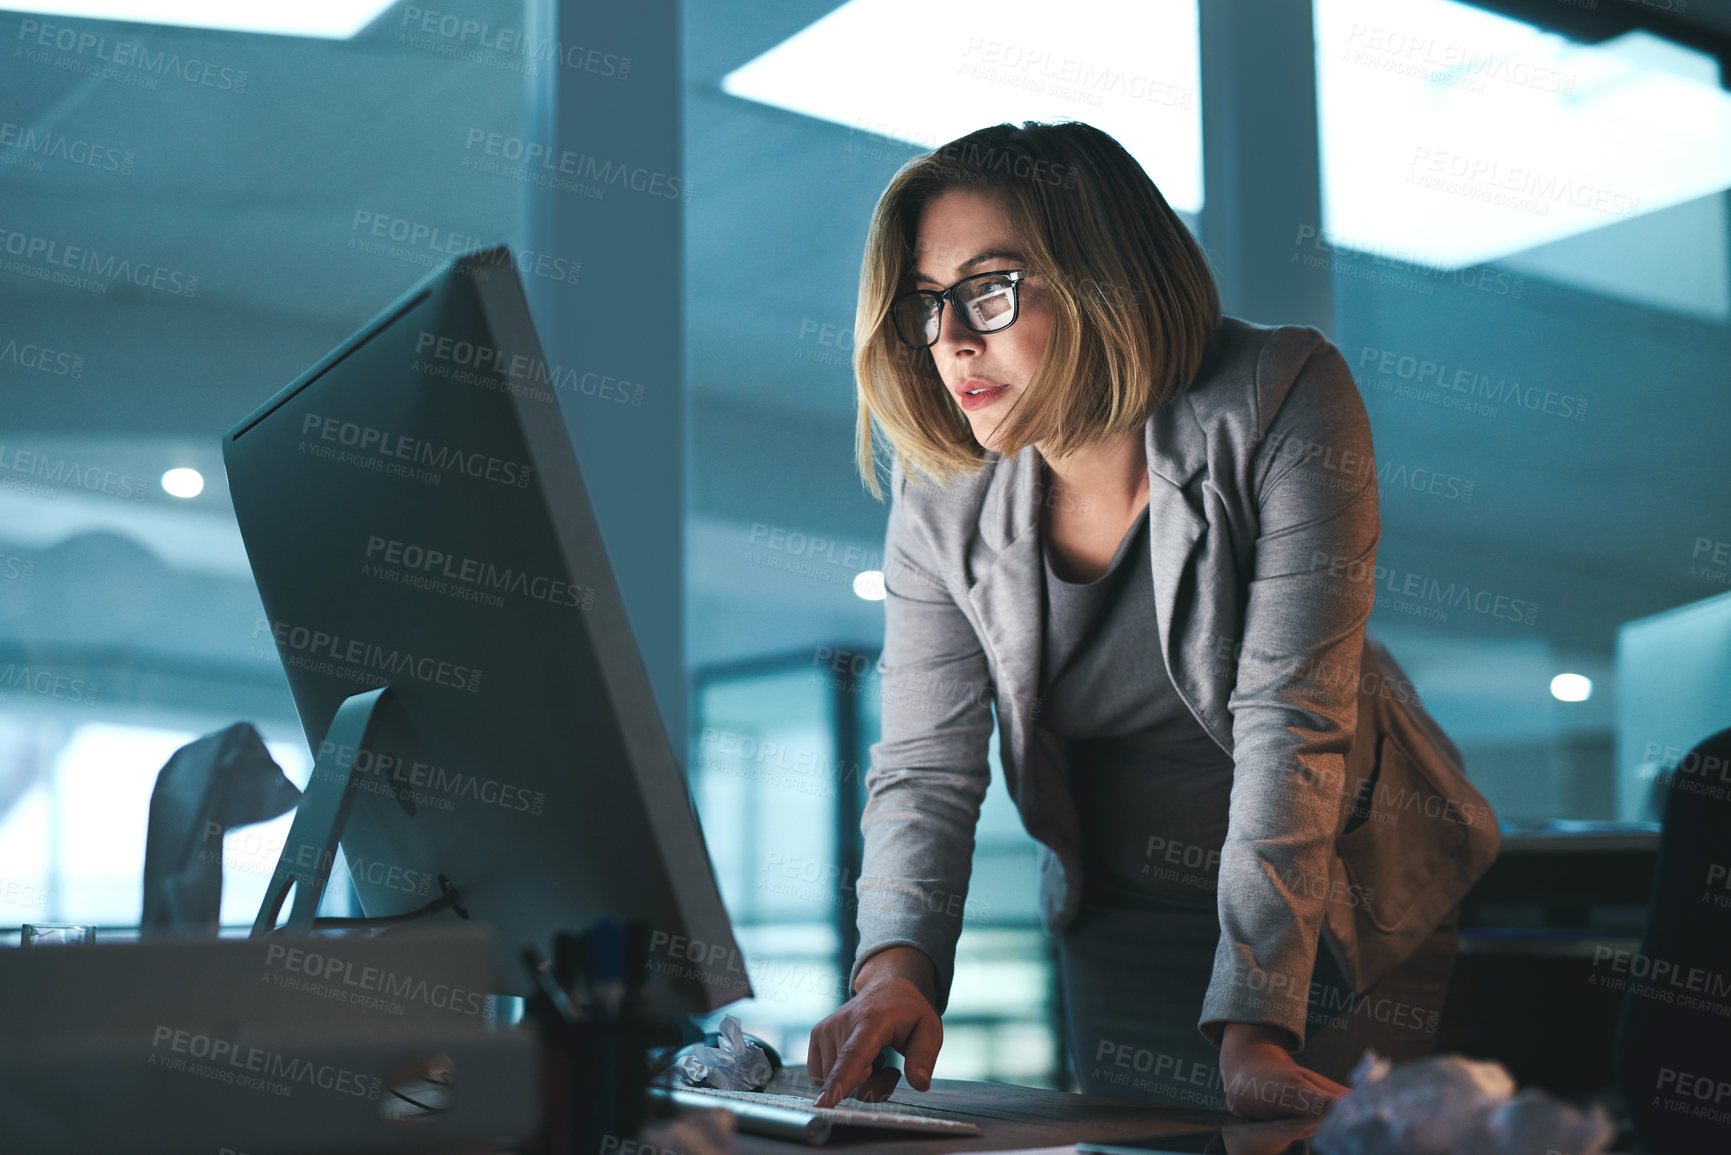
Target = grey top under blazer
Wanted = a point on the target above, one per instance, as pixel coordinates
(1350, 821)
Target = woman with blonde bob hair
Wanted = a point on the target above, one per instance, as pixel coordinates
(1143, 534)
(1132, 301)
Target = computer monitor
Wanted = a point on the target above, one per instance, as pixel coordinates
(1673, 690)
(486, 739)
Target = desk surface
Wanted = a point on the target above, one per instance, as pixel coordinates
(1010, 1117)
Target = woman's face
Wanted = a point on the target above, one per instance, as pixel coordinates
(962, 232)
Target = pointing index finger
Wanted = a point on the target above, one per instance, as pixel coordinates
(851, 1067)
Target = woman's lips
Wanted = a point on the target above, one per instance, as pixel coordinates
(979, 400)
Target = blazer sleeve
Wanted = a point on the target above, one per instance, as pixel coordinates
(1294, 703)
(929, 772)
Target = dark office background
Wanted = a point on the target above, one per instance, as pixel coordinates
(298, 183)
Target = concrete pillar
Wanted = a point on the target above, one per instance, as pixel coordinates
(1260, 165)
(608, 104)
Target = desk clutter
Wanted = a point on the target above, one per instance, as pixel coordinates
(727, 1060)
(300, 1045)
(1448, 1104)
(388, 1043)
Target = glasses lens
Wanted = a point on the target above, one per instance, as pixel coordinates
(989, 302)
(916, 318)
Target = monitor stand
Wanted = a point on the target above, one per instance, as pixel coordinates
(311, 847)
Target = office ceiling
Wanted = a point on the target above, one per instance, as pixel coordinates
(257, 194)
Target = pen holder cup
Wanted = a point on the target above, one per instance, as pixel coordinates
(597, 1078)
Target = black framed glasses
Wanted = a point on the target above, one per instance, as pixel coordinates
(985, 302)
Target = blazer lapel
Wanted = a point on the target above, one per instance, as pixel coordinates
(1186, 581)
(1185, 641)
(1006, 599)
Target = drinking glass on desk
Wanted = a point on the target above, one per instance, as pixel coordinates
(56, 934)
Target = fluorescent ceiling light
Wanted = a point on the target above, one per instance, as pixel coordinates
(1452, 136)
(927, 73)
(330, 19)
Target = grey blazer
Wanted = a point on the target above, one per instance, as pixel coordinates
(1351, 820)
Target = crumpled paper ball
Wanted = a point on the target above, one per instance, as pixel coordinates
(734, 1065)
(1452, 1105)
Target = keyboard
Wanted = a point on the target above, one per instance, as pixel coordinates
(792, 1116)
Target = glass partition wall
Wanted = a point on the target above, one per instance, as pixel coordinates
(779, 757)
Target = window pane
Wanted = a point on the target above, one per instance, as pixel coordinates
(194, 216)
(1527, 244)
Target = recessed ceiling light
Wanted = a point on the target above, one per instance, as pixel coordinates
(183, 482)
(329, 19)
(1571, 688)
(869, 584)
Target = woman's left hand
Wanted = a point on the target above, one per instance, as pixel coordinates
(1263, 1081)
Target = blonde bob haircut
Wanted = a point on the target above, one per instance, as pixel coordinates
(1134, 304)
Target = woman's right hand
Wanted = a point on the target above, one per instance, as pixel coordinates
(893, 1006)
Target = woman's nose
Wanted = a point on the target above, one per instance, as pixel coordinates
(951, 331)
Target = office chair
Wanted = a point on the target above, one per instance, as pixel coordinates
(1674, 1032)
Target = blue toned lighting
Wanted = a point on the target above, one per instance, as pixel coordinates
(1452, 136)
(909, 72)
(327, 19)
(1571, 688)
